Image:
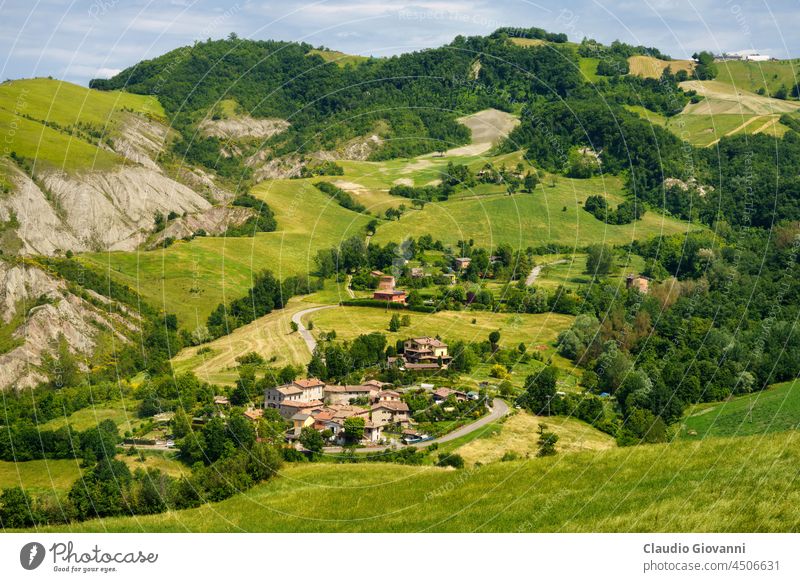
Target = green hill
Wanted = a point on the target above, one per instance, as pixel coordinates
(717, 485)
(772, 410)
(768, 76)
(63, 126)
(191, 278)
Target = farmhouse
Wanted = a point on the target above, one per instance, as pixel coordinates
(386, 283)
(295, 396)
(443, 394)
(425, 350)
(390, 412)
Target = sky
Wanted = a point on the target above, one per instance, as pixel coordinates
(82, 39)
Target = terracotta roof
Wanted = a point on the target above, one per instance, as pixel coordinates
(254, 414)
(396, 406)
(289, 390)
(422, 366)
(376, 383)
(429, 341)
(221, 400)
(309, 382)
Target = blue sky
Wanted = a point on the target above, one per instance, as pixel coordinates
(82, 39)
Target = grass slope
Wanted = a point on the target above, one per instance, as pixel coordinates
(752, 76)
(65, 104)
(549, 215)
(772, 410)
(742, 484)
(651, 67)
(519, 435)
(191, 278)
(532, 329)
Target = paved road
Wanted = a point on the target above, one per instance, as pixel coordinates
(304, 333)
(499, 409)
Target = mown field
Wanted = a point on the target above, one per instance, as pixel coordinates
(123, 413)
(517, 435)
(58, 475)
(722, 485)
(775, 409)
(271, 336)
(531, 329)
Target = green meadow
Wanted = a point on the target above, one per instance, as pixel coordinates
(775, 409)
(752, 76)
(548, 215)
(715, 485)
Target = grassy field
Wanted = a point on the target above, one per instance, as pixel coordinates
(65, 104)
(271, 336)
(752, 76)
(651, 67)
(58, 475)
(191, 278)
(722, 98)
(741, 484)
(588, 66)
(38, 477)
(533, 330)
(772, 410)
(549, 215)
(518, 434)
(122, 413)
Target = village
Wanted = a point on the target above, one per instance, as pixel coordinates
(376, 409)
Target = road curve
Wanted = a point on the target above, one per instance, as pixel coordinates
(311, 343)
(499, 410)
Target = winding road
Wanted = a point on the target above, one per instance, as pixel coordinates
(499, 410)
(311, 343)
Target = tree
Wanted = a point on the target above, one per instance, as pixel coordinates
(394, 323)
(16, 508)
(530, 182)
(704, 69)
(354, 429)
(547, 442)
(181, 424)
(311, 439)
(600, 259)
(450, 460)
(293, 326)
(540, 391)
(494, 339)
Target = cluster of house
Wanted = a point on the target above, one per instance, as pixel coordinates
(422, 353)
(312, 403)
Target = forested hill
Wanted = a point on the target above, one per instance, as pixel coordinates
(412, 98)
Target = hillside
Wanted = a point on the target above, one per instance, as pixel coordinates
(775, 409)
(756, 77)
(717, 485)
(84, 169)
(42, 314)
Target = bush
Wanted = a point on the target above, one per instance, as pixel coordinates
(450, 460)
